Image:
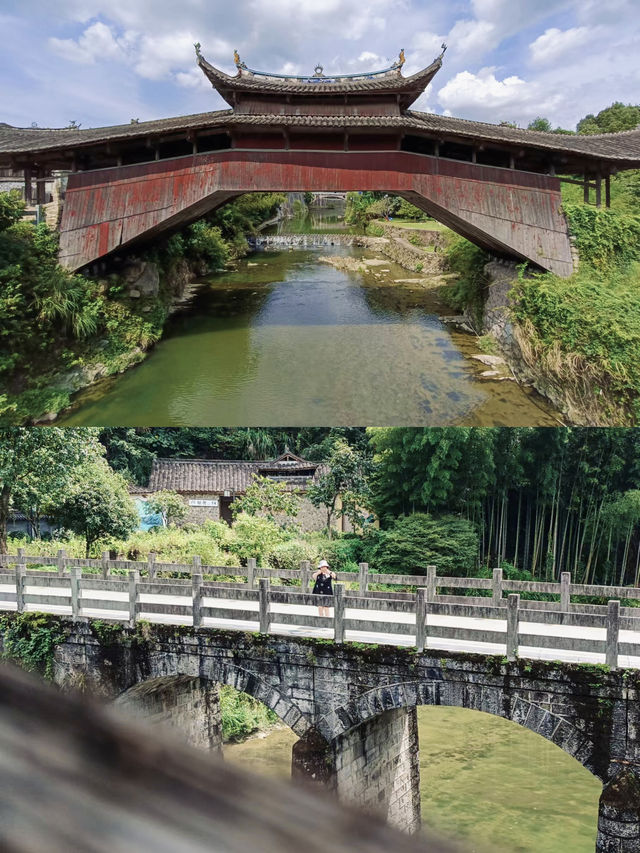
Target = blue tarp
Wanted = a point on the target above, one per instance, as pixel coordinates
(148, 519)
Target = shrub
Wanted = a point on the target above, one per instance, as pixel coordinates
(254, 536)
(288, 555)
(416, 541)
(242, 715)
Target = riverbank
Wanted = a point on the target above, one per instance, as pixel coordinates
(575, 340)
(63, 332)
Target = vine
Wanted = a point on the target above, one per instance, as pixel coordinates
(30, 640)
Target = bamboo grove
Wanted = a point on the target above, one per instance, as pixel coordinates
(543, 501)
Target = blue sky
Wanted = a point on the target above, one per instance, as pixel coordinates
(106, 61)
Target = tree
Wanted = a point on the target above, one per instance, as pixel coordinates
(613, 119)
(37, 465)
(346, 481)
(97, 504)
(169, 505)
(267, 497)
(541, 124)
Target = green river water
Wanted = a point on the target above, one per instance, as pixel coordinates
(485, 781)
(286, 339)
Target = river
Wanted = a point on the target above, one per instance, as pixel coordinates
(286, 339)
(485, 781)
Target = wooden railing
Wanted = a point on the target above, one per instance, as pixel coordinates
(422, 617)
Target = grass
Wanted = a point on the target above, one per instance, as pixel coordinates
(431, 225)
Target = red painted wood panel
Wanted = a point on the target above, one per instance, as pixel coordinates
(516, 213)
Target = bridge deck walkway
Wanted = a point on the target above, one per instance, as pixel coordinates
(279, 613)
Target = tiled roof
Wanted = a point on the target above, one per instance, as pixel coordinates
(203, 476)
(392, 81)
(621, 147)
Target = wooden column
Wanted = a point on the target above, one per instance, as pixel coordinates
(598, 190)
(586, 189)
(40, 187)
(28, 186)
(607, 191)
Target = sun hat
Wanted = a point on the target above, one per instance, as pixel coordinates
(323, 563)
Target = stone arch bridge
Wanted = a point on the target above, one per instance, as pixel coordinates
(354, 706)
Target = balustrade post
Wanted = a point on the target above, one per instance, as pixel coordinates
(61, 561)
(151, 565)
(264, 596)
(134, 598)
(431, 583)
(363, 578)
(21, 580)
(338, 613)
(304, 576)
(496, 588)
(196, 562)
(105, 564)
(513, 618)
(613, 633)
(421, 618)
(76, 604)
(251, 573)
(565, 592)
(196, 604)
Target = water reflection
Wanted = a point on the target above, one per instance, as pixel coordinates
(285, 339)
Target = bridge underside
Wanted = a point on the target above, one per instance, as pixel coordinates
(508, 212)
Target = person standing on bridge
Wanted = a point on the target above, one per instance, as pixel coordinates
(322, 585)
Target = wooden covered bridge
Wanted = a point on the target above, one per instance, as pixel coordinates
(497, 185)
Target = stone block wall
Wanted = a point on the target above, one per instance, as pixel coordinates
(377, 767)
(190, 706)
(200, 514)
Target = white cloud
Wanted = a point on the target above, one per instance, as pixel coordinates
(97, 42)
(473, 38)
(555, 44)
(483, 96)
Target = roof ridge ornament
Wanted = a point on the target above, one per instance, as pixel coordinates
(444, 49)
(237, 61)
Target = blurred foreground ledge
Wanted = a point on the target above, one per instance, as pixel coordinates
(75, 776)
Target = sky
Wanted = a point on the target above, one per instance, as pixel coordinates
(101, 62)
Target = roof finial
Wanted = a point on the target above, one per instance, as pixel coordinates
(236, 58)
(197, 46)
(401, 58)
(444, 48)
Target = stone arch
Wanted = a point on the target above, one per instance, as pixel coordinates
(491, 700)
(221, 671)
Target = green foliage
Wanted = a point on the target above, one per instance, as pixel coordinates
(178, 545)
(374, 229)
(587, 328)
(419, 266)
(606, 240)
(255, 537)
(618, 117)
(467, 292)
(242, 715)
(416, 541)
(97, 505)
(37, 466)
(267, 497)
(406, 210)
(344, 488)
(205, 242)
(11, 209)
(288, 555)
(29, 640)
(169, 505)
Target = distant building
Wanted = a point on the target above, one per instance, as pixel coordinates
(210, 487)
(19, 523)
